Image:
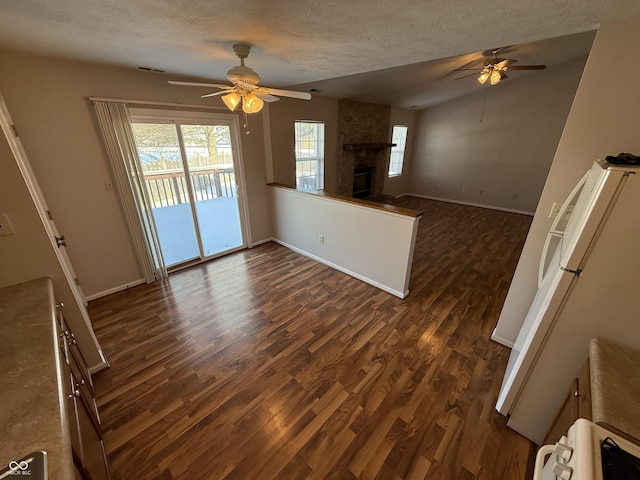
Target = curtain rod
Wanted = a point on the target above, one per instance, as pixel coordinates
(159, 104)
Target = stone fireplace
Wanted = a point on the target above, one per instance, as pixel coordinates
(363, 156)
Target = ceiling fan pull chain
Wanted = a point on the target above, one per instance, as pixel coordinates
(246, 123)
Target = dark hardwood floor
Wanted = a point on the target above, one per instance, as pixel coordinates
(267, 365)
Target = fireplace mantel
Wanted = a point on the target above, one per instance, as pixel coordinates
(367, 146)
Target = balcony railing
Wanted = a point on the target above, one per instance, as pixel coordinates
(168, 187)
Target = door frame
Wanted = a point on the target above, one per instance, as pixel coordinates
(188, 117)
(22, 161)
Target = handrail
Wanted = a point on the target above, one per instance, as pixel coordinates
(168, 188)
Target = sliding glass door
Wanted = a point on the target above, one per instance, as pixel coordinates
(190, 166)
(213, 181)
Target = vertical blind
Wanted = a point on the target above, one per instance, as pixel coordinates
(115, 125)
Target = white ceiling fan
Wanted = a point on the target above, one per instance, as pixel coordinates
(494, 67)
(245, 90)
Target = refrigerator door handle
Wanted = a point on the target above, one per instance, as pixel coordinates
(576, 272)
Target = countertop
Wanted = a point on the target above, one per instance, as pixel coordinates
(408, 212)
(33, 415)
(615, 387)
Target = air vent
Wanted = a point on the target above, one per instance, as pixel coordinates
(149, 69)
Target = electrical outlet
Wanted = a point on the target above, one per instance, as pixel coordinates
(321, 239)
(5, 225)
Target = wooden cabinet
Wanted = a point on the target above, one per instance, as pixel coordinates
(577, 405)
(87, 444)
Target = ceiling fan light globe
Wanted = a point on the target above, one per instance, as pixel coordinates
(484, 76)
(231, 100)
(495, 77)
(251, 103)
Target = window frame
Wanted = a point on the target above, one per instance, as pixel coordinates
(318, 157)
(398, 150)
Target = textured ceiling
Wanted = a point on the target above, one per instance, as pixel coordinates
(303, 42)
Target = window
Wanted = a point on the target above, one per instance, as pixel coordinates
(399, 137)
(309, 150)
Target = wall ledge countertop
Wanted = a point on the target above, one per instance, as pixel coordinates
(615, 387)
(33, 414)
(385, 207)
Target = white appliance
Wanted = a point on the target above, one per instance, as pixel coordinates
(588, 452)
(589, 286)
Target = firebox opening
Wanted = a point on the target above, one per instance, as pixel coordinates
(362, 177)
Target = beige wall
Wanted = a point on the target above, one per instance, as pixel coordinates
(285, 112)
(494, 148)
(283, 115)
(603, 121)
(395, 186)
(29, 254)
(48, 101)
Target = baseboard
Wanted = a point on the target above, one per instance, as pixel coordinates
(469, 204)
(387, 289)
(261, 242)
(103, 365)
(119, 288)
(501, 340)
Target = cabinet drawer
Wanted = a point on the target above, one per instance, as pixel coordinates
(93, 457)
(84, 422)
(576, 405)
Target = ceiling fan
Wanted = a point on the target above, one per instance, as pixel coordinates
(245, 90)
(494, 68)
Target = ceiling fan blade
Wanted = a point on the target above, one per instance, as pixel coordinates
(196, 84)
(476, 73)
(288, 93)
(467, 65)
(248, 86)
(266, 97)
(221, 92)
(526, 67)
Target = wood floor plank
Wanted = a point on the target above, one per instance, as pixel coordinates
(268, 365)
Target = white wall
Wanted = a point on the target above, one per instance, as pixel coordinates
(373, 245)
(48, 99)
(395, 186)
(603, 121)
(494, 148)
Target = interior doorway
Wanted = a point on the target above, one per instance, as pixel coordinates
(192, 175)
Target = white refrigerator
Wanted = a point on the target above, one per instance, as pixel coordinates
(588, 286)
